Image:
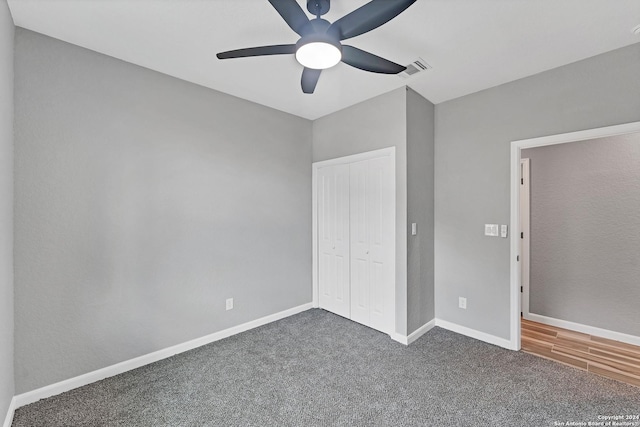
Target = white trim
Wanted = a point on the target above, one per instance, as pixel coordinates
(585, 329)
(314, 237)
(582, 135)
(525, 241)
(482, 336)
(402, 339)
(516, 148)
(127, 365)
(367, 155)
(10, 412)
(406, 340)
(514, 253)
(421, 331)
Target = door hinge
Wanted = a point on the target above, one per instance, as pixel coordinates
(522, 235)
(518, 258)
(521, 181)
(521, 290)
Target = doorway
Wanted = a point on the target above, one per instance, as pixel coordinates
(515, 244)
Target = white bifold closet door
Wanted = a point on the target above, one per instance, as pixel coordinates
(372, 240)
(333, 239)
(356, 240)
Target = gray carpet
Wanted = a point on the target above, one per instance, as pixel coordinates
(316, 368)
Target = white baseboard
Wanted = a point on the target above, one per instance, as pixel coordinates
(585, 329)
(127, 365)
(482, 336)
(12, 409)
(399, 337)
(406, 340)
(421, 331)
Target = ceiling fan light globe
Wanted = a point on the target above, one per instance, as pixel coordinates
(318, 55)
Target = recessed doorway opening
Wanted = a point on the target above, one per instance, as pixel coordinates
(516, 251)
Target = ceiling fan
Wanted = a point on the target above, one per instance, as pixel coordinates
(319, 45)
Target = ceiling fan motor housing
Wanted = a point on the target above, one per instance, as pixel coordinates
(318, 38)
(316, 26)
(318, 7)
(318, 51)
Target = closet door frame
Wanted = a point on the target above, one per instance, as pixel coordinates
(384, 152)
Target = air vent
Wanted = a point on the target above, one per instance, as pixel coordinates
(417, 66)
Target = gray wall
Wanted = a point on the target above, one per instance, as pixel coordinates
(473, 136)
(6, 208)
(585, 232)
(420, 188)
(142, 202)
(377, 123)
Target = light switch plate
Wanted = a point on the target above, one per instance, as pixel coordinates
(414, 229)
(491, 230)
(504, 230)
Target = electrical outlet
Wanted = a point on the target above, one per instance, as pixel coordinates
(229, 303)
(462, 303)
(504, 231)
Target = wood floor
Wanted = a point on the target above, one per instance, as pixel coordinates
(611, 359)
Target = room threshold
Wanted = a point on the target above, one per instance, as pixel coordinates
(612, 359)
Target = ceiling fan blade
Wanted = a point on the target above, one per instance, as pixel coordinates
(310, 79)
(368, 17)
(280, 49)
(369, 62)
(292, 13)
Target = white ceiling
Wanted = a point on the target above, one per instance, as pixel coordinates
(471, 44)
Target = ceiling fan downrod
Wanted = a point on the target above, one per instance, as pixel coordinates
(318, 7)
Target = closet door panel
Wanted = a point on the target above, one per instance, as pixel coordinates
(326, 186)
(378, 296)
(360, 291)
(372, 282)
(333, 239)
(380, 224)
(360, 274)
